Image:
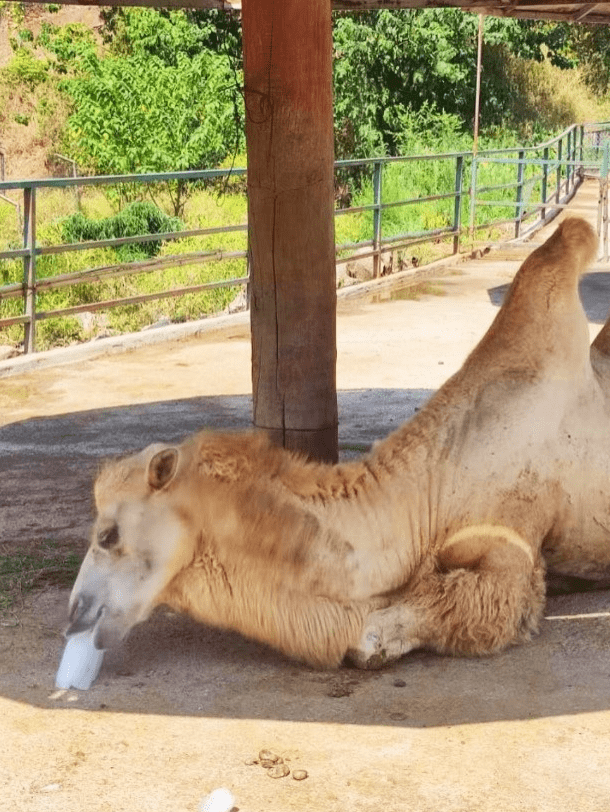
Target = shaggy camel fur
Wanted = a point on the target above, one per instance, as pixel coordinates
(438, 539)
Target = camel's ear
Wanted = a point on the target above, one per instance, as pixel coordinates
(162, 468)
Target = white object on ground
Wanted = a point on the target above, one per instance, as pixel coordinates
(221, 800)
(80, 663)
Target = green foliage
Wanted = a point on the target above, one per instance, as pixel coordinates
(24, 69)
(158, 101)
(592, 46)
(146, 32)
(15, 10)
(166, 33)
(72, 48)
(390, 66)
(134, 220)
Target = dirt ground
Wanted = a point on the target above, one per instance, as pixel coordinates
(179, 709)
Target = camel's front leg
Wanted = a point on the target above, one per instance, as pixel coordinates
(484, 591)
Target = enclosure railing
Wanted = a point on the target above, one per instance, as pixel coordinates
(538, 182)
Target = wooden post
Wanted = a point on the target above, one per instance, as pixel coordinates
(289, 135)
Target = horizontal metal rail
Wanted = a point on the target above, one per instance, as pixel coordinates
(118, 241)
(115, 180)
(559, 164)
(145, 297)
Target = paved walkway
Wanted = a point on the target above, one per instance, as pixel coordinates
(180, 708)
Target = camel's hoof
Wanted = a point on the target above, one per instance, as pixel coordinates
(387, 636)
(370, 653)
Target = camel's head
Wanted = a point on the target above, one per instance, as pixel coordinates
(139, 543)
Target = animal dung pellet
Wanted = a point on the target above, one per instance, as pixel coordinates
(278, 771)
(267, 763)
(220, 800)
(268, 755)
(299, 775)
(80, 663)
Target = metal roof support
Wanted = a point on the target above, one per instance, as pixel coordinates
(289, 133)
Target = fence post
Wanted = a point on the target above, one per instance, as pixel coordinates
(457, 209)
(377, 174)
(559, 160)
(600, 201)
(605, 215)
(602, 204)
(545, 180)
(473, 193)
(519, 208)
(29, 268)
(569, 155)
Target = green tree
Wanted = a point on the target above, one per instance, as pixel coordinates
(159, 102)
(391, 65)
(591, 44)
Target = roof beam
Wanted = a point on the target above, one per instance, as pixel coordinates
(598, 13)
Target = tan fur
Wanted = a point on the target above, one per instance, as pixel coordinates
(437, 539)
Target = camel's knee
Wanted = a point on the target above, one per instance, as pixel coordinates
(485, 591)
(488, 591)
(477, 612)
(486, 547)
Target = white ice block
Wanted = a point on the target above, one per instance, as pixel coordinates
(221, 800)
(80, 663)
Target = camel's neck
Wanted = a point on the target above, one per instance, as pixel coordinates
(348, 532)
(306, 627)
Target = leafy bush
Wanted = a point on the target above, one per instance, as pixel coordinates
(135, 219)
(24, 69)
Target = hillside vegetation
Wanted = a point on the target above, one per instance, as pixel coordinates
(138, 89)
(135, 90)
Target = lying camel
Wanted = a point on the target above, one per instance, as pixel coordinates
(438, 539)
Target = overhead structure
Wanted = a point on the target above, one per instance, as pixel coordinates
(524, 9)
(289, 134)
(581, 12)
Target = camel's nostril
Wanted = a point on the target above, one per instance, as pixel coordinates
(78, 608)
(81, 617)
(108, 537)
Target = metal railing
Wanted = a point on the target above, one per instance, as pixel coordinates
(541, 180)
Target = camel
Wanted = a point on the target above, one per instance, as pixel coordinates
(437, 539)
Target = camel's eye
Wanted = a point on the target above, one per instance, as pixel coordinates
(108, 537)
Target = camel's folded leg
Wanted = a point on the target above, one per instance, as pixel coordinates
(483, 592)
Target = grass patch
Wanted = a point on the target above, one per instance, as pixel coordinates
(205, 209)
(45, 565)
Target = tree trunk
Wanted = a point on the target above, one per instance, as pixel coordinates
(289, 133)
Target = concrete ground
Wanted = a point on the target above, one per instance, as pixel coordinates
(180, 708)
